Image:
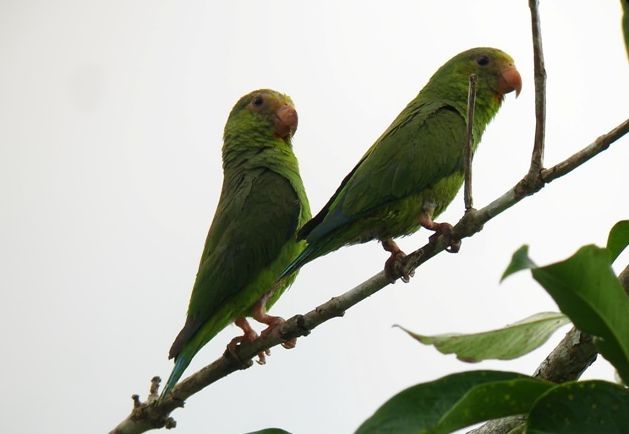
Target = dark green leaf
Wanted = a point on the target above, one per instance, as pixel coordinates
(587, 407)
(457, 400)
(587, 290)
(519, 261)
(504, 344)
(490, 401)
(618, 238)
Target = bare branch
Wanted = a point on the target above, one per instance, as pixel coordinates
(471, 106)
(596, 147)
(155, 415)
(537, 159)
(572, 356)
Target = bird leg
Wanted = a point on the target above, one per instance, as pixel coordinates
(445, 229)
(249, 335)
(273, 322)
(390, 265)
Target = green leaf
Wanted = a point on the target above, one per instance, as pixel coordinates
(455, 401)
(586, 289)
(587, 407)
(504, 344)
(270, 431)
(618, 238)
(519, 261)
(491, 401)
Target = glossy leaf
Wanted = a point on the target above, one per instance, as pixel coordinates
(587, 290)
(618, 238)
(581, 408)
(455, 401)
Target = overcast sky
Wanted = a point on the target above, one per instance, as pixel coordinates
(111, 119)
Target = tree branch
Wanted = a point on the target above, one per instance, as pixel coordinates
(537, 159)
(152, 415)
(155, 414)
(471, 105)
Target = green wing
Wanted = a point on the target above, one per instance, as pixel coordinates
(257, 215)
(423, 146)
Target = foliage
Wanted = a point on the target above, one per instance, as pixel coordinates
(588, 292)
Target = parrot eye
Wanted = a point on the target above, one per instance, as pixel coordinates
(482, 60)
(258, 101)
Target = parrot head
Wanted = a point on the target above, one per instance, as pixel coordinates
(262, 114)
(495, 70)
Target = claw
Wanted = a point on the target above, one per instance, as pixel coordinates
(249, 335)
(445, 229)
(273, 322)
(393, 264)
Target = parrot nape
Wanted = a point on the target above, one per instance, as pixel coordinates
(415, 168)
(252, 237)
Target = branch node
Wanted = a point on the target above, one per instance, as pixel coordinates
(170, 423)
(235, 359)
(300, 323)
(153, 390)
(468, 225)
(136, 400)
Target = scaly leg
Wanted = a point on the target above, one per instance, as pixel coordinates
(445, 229)
(273, 322)
(249, 335)
(396, 256)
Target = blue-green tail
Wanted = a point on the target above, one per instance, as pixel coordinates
(307, 255)
(181, 363)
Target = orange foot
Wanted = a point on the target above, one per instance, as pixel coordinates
(249, 335)
(273, 322)
(394, 261)
(445, 229)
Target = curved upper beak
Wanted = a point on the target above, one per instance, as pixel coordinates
(510, 80)
(285, 121)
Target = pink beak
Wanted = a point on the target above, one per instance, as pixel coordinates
(509, 81)
(285, 121)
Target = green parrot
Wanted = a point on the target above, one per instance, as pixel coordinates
(415, 168)
(252, 237)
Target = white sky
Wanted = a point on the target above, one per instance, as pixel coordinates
(111, 118)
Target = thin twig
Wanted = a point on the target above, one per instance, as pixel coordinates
(150, 416)
(537, 158)
(471, 106)
(596, 147)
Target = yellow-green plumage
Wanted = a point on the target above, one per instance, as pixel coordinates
(416, 166)
(252, 236)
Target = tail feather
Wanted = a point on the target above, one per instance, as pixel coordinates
(307, 255)
(181, 363)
